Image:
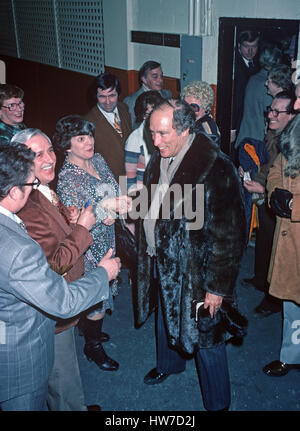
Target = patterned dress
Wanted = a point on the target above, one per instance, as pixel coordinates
(76, 186)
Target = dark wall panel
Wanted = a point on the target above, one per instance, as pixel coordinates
(50, 93)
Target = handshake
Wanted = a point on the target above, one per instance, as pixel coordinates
(86, 216)
(112, 265)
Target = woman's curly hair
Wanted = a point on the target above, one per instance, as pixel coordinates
(68, 127)
(202, 91)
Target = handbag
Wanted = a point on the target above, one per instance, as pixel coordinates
(126, 248)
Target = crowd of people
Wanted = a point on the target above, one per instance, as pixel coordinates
(59, 267)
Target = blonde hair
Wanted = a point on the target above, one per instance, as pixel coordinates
(200, 90)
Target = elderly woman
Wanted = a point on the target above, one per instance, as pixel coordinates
(200, 96)
(85, 179)
(279, 79)
(139, 145)
(11, 112)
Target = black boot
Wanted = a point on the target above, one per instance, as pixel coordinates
(93, 348)
(81, 324)
(269, 305)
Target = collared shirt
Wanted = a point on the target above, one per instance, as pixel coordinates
(247, 61)
(7, 131)
(45, 190)
(11, 215)
(110, 116)
(145, 88)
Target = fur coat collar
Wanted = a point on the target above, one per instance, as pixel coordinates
(193, 262)
(289, 145)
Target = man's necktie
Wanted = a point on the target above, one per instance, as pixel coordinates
(250, 64)
(117, 125)
(55, 198)
(59, 206)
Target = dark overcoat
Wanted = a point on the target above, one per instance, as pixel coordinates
(242, 74)
(193, 262)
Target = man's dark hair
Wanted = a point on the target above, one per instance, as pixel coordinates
(148, 65)
(152, 98)
(247, 36)
(9, 91)
(68, 127)
(16, 164)
(107, 81)
(183, 115)
(290, 96)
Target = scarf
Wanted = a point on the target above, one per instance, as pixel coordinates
(168, 167)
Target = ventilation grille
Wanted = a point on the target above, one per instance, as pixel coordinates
(63, 33)
(36, 31)
(8, 45)
(80, 35)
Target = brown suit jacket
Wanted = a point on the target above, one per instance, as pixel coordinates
(62, 243)
(107, 141)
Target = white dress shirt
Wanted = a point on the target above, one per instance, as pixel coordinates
(11, 215)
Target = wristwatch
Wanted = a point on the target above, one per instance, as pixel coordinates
(291, 204)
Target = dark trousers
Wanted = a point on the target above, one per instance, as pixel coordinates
(212, 367)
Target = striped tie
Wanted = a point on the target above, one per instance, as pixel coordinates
(55, 198)
(59, 206)
(117, 125)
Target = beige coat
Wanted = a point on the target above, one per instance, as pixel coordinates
(284, 270)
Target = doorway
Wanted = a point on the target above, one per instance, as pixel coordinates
(271, 30)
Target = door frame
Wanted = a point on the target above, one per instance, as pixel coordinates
(226, 47)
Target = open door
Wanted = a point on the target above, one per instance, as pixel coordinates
(270, 30)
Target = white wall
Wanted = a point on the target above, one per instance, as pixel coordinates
(122, 16)
(172, 16)
(115, 33)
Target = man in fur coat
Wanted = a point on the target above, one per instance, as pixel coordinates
(181, 263)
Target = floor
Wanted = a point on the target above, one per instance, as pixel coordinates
(134, 349)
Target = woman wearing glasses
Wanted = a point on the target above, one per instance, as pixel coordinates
(11, 112)
(200, 96)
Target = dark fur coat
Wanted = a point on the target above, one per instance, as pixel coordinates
(193, 262)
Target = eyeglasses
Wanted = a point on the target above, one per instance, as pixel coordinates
(36, 183)
(196, 107)
(13, 106)
(275, 112)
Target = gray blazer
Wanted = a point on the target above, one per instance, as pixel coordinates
(131, 99)
(30, 294)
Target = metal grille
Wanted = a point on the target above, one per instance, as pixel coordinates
(7, 29)
(36, 31)
(80, 35)
(63, 33)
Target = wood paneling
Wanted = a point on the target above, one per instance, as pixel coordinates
(51, 93)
